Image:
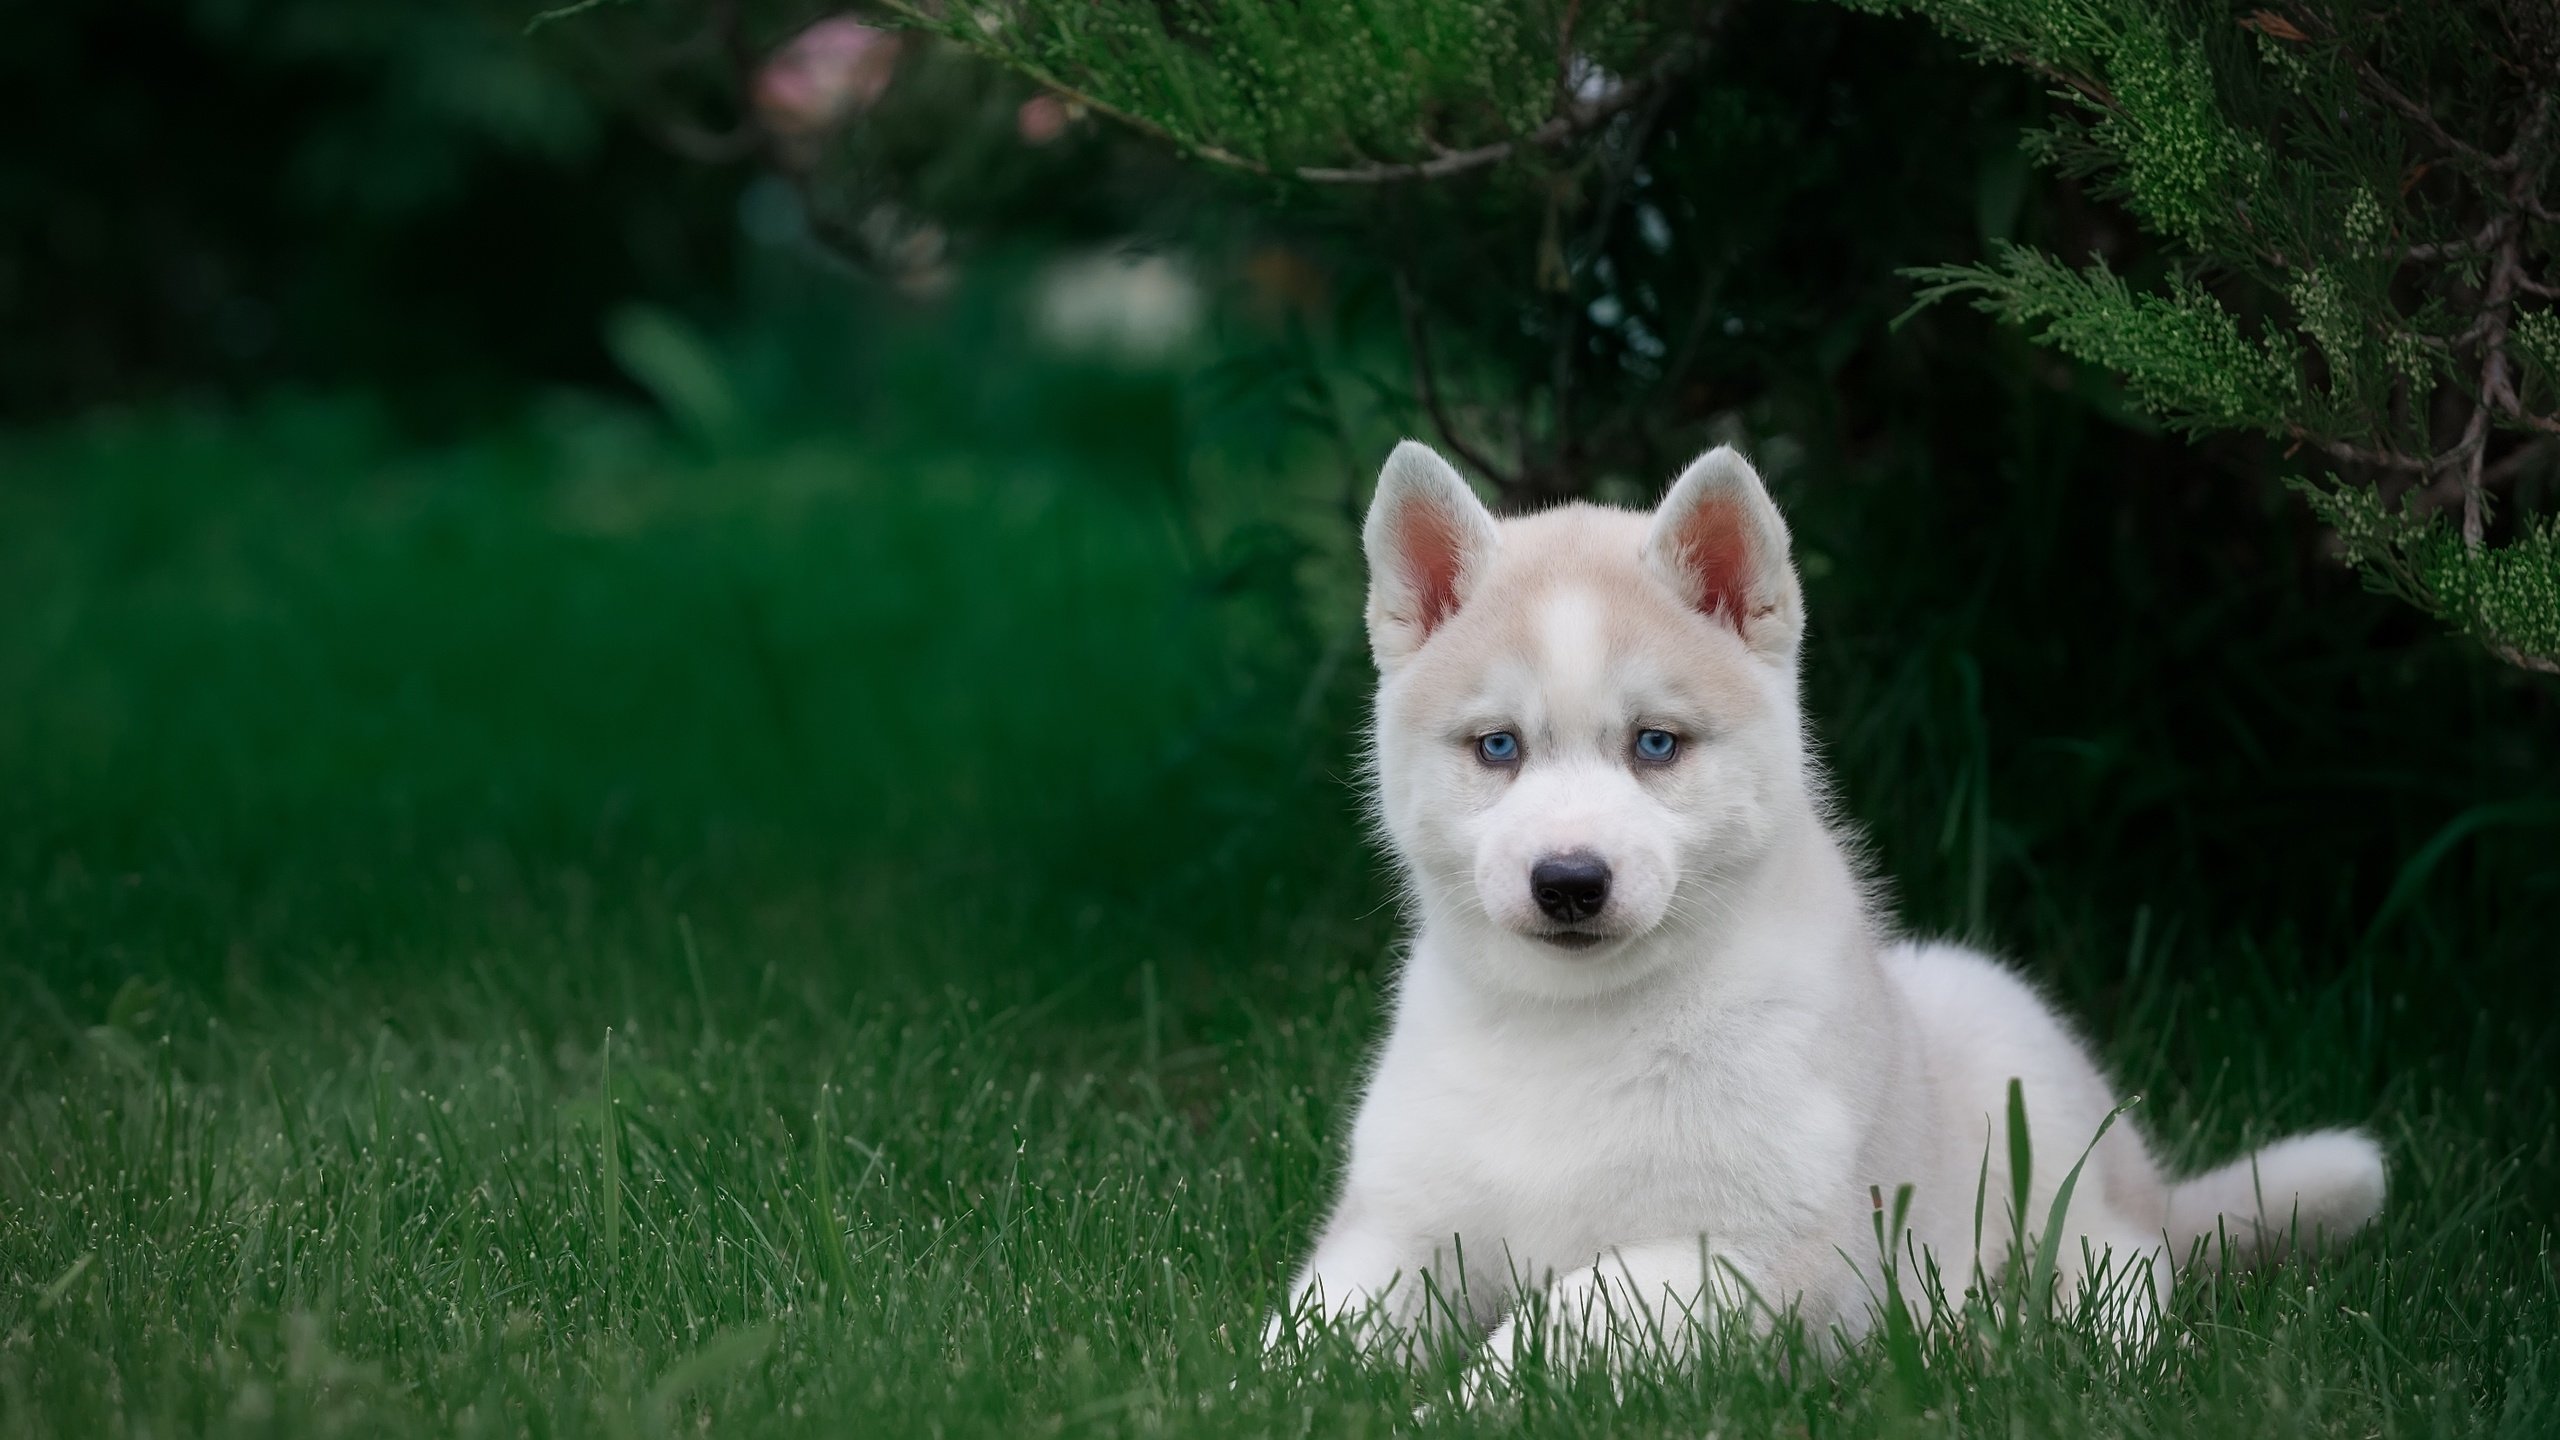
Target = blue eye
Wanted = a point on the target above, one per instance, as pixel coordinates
(1499, 748)
(1656, 745)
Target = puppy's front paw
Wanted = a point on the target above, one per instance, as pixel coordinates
(1489, 1380)
(2129, 1322)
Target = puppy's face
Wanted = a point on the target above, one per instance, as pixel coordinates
(1586, 718)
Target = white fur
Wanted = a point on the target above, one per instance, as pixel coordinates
(1693, 1111)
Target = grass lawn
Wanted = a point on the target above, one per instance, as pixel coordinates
(572, 933)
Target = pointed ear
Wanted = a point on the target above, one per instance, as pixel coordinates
(1718, 541)
(1428, 539)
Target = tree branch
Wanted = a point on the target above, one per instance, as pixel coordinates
(2469, 245)
(2528, 135)
(1572, 120)
(2547, 664)
(2497, 392)
(2462, 470)
(2345, 453)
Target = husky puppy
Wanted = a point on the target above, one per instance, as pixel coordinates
(1653, 1054)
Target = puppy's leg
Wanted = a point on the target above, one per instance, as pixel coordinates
(2116, 1274)
(1382, 1292)
(1649, 1301)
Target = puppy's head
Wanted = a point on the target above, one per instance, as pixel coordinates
(1586, 718)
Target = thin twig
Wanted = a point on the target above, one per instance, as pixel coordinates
(2497, 393)
(2087, 89)
(1426, 383)
(979, 45)
(1573, 119)
(2345, 453)
(2389, 94)
(2468, 245)
(1567, 344)
(2547, 664)
(2528, 134)
(2468, 335)
(2462, 471)
(1693, 334)
(2462, 462)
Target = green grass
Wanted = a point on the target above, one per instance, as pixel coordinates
(575, 933)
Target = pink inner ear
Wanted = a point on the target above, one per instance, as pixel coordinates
(1428, 540)
(1715, 546)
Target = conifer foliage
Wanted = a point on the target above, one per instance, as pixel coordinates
(2351, 205)
(2359, 201)
(1516, 167)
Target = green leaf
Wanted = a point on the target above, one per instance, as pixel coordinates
(677, 366)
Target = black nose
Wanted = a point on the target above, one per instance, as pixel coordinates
(1572, 886)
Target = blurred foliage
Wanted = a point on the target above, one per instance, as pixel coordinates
(1607, 233)
(1605, 230)
(405, 194)
(338, 669)
(1619, 224)
(866, 597)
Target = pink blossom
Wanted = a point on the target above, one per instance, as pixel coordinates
(1041, 119)
(823, 75)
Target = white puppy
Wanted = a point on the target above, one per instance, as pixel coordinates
(1652, 1052)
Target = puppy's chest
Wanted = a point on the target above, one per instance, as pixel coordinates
(1568, 1141)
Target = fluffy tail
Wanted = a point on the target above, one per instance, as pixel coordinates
(2306, 1190)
